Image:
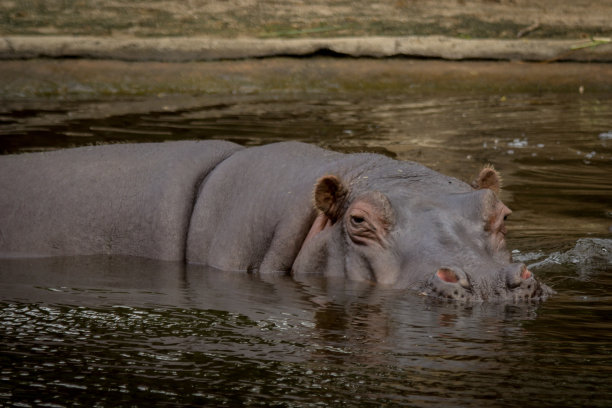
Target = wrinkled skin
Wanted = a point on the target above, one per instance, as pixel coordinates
(446, 241)
(285, 207)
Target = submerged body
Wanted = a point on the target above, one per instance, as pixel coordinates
(285, 207)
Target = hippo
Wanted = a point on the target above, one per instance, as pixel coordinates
(285, 207)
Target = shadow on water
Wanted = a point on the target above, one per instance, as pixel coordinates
(124, 331)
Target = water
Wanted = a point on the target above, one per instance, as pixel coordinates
(99, 331)
(109, 332)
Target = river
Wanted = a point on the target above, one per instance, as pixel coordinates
(99, 331)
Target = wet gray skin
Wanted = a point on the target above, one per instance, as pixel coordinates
(426, 231)
(467, 251)
(285, 207)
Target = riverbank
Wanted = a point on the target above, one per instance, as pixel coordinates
(205, 30)
(186, 49)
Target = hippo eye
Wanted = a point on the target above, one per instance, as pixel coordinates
(357, 219)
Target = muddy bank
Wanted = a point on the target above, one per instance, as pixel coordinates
(183, 49)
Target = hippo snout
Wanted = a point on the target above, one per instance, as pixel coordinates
(521, 284)
(514, 282)
(451, 283)
(516, 275)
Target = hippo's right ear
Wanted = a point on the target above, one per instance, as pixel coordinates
(329, 195)
(488, 178)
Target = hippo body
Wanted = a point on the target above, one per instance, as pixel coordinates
(284, 207)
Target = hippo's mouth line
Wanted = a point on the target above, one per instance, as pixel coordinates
(537, 292)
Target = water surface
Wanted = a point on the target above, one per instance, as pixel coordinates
(124, 331)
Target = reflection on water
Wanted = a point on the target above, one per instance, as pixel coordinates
(128, 331)
(110, 331)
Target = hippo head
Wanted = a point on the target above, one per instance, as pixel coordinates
(445, 239)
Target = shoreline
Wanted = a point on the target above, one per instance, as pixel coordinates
(189, 49)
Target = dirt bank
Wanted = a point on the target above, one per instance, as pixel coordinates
(183, 49)
(173, 30)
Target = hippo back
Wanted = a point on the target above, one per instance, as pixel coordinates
(117, 199)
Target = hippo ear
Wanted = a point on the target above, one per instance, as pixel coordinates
(329, 195)
(488, 178)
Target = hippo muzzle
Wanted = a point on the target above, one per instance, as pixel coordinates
(513, 283)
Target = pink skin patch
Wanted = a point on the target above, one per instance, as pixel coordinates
(525, 273)
(447, 275)
(319, 224)
(369, 220)
(497, 226)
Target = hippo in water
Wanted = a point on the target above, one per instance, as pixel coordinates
(288, 207)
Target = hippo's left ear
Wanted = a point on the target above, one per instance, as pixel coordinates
(488, 178)
(329, 195)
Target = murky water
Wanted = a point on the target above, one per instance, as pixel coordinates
(110, 332)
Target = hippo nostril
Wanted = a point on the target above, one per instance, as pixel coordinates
(516, 274)
(450, 283)
(447, 275)
(525, 273)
